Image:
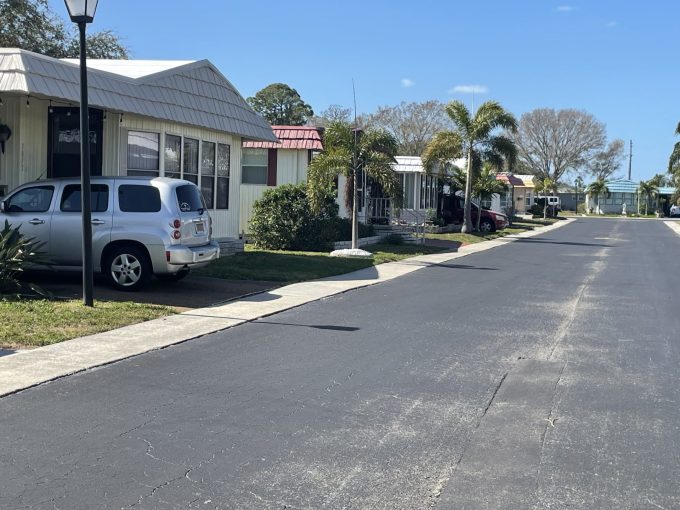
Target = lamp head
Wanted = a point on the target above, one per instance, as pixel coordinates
(81, 11)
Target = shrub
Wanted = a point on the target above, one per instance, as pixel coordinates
(394, 239)
(282, 220)
(16, 251)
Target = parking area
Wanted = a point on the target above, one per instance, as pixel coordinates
(189, 293)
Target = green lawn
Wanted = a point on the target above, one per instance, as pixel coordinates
(32, 323)
(477, 237)
(298, 266)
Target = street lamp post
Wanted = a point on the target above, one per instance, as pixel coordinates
(82, 13)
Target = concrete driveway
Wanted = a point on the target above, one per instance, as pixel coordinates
(192, 292)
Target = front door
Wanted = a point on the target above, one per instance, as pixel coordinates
(63, 147)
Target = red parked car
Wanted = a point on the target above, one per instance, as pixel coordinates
(452, 212)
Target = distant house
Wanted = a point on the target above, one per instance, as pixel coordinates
(524, 193)
(503, 202)
(624, 191)
(153, 118)
(266, 164)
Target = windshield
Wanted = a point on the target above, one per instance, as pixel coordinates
(189, 199)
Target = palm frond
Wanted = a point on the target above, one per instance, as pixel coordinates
(444, 147)
(378, 140)
(460, 116)
(674, 160)
(378, 166)
(489, 116)
(322, 171)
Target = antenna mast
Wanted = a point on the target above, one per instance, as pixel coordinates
(630, 159)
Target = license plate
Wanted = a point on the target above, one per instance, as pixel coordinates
(200, 228)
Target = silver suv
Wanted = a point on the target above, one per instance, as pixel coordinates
(140, 226)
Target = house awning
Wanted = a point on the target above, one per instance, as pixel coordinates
(290, 137)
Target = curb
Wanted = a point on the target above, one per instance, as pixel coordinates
(29, 368)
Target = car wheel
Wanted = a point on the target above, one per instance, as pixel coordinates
(128, 268)
(486, 226)
(173, 277)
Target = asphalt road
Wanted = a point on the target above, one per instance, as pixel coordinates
(539, 375)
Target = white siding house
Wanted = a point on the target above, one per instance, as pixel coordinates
(166, 118)
(268, 164)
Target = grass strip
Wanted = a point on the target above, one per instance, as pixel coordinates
(298, 266)
(33, 323)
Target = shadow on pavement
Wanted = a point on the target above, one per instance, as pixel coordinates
(192, 292)
(566, 243)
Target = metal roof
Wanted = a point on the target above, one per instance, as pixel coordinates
(509, 178)
(628, 186)
(193, 93)
(290, 137)
(408, 164)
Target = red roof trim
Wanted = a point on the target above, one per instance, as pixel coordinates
(290, 137)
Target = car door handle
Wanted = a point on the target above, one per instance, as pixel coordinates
(98, 222)
(36, 221)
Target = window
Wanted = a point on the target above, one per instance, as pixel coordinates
(223, 171)
(208, 172)
(191, 160)
(428, 192)
(71, 199)
(486, 203)
(143, 153)
(506, 201)
(254, 166)
(173, 156)
(136, 198)
(408, 184)
(35, 200)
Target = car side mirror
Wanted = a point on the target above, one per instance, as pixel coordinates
(2, 207)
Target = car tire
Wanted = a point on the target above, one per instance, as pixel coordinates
(486, 226)
(127, 268)
(173, 277)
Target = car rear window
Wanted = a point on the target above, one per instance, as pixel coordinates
(189, 198)
(138, 198)
(71, 201)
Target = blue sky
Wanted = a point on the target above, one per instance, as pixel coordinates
(615, 59)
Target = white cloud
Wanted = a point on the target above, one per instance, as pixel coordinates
(565, 8)
(612, 24)
(405, 82)
(469, 89)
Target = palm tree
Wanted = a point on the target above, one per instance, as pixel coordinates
(597, 188)
(348, 151)
(485, 186)
(578, 184)
(647, 189)
(472, 138)
(674, 160)
(544, 186)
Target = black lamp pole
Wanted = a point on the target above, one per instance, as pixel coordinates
(82, 13)
(88, 284)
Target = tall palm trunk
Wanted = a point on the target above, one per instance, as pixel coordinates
(467, 220)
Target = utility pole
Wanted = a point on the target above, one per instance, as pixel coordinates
(630, 159)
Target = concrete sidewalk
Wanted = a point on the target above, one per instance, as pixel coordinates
(29, 368)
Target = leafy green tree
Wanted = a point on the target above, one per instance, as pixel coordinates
(486, 186)
(31, 25)
(597, 188)
(281, 105)
(472, 138)
(544, 186)
(347, 152)
(648, 189)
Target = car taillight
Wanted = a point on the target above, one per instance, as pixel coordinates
(176, 223)
(176, 234)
